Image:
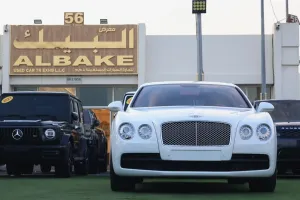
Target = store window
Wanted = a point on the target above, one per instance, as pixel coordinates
(25, 88)
(119, 92)
(253, 91)
(95, 96)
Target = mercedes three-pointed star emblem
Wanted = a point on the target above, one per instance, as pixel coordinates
(17, 134)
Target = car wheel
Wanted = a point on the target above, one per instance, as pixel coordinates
(103, 164)
(267, 184)
(82, 167)
(296, 171)
(46, 169)
(119, 183)
(93, 161)
(13, 169)
(27, 168)
(64, 169)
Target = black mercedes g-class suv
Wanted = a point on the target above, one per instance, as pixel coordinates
(97, 143)
(286, 117)
(42, 128)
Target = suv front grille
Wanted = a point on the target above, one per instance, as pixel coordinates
(196, 133)
(288, 131)
(30, 136)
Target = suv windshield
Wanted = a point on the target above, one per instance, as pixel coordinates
(35, 106)
(285, 111)
(190, 95)
(126, 101)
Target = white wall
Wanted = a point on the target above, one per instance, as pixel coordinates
(286, 61)
(233, 58)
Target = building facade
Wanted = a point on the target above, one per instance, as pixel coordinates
(99, 63)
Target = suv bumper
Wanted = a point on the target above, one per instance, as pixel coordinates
(288, 153)
(32, 154)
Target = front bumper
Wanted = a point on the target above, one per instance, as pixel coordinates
(145, 161)
(288, 153)
(32, 154)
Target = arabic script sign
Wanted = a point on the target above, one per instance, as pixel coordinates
(73, 50)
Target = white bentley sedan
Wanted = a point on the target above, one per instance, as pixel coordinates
(190, 130)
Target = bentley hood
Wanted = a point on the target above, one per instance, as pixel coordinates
(162, 114)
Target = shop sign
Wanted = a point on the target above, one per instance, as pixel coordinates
(73, 50)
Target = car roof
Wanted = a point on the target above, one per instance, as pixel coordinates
(189, 82)
(41, 92)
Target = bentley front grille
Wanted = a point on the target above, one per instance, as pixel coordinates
(196, 133)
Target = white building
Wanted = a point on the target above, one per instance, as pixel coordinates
(227, 58)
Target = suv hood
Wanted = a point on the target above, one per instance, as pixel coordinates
(30, 123)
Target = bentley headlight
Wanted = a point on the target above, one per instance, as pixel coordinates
(50, 133)
(246, 132)
(263, 132)
(145, 131)
(126, 131)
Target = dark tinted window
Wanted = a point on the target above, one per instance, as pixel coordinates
(126, 101)
(32, 106)
(285, 111)
(190, 95)
(87, 117)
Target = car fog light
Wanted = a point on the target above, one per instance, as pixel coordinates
(50, 133)
(145, 131)
(246, 132)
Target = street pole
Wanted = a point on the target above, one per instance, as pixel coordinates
(263, 58)
(287, 8)
(199, 47)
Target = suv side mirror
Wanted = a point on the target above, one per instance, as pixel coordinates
(74, 116)
(96, 123)
(265, 107)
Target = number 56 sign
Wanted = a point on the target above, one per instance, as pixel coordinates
(74, 18)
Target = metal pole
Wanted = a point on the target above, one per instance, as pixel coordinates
(263, 59)
(287, 8)
(199, 48)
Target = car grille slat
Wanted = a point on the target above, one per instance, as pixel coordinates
(288, 131)
(196, 133)
(31, 136)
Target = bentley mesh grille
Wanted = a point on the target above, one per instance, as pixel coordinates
(196, 133)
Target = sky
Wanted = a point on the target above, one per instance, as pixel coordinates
(162, 17)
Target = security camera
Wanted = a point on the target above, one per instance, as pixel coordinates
(277, 26)
(6, 28)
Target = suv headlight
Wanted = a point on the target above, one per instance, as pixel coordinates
(126, 131)
(145, 131)
(263, 132)
(50, 133)
(246, 132)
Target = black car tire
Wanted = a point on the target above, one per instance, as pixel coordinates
(93, 161)
(263, 184)
(13, 169)
(64, 169)
(26, 168)
(102, 168)
(119, 183)
(296, 171)
(82, 167)
(46, 169)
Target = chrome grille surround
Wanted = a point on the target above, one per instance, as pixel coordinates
(196, 133)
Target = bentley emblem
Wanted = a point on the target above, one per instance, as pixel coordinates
(17, 134)
(195, 115)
